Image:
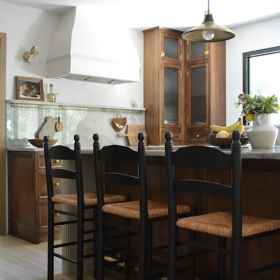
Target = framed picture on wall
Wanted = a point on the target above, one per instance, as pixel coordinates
(30, 88)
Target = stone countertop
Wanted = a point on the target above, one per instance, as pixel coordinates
(247, 151)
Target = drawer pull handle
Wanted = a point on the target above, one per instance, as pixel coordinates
(56, 161)
(56, 184)
(197, 136)
(57, 214)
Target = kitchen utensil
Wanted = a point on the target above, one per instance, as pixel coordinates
(58, 125)
(119, 123)
(48, 129)
(39, 142)
(132, 134)
(224, 143)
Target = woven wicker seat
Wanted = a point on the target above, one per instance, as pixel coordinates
(220, 223)
(89, 199)
(132, 209)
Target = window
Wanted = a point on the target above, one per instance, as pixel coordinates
(261, 74)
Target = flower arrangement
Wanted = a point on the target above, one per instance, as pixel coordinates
(257, 104)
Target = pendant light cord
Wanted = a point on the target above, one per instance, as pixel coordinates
(208, 8)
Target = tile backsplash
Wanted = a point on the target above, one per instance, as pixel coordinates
(23, 122)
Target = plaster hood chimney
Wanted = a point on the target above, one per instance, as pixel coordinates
(82, 50)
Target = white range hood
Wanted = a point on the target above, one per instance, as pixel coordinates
(81, 50)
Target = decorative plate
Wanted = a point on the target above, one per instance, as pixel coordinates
(224, 143)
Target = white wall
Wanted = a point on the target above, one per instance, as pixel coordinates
(251, 37)
(26, 27)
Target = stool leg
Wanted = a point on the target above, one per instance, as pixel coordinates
(222, 258)
(192, 249)
(100, 246)
(127, 250)
(95, 242)
(236, 259)
(50, 240)
(143, 250)
(149, 250)
(172, 263)
(80, 245)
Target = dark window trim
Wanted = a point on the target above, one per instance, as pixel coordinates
(246, 66)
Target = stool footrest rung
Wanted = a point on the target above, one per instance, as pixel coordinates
(258, 270)
(121, 235)
(64, 258)
(205, 246)
(121, 226)
(65, 223)
(89, 256)
(65, 213)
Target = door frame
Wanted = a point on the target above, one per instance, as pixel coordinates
(3, 51)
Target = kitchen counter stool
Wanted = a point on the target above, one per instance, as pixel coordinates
(146, 211)
(240, 228)
(80, 200)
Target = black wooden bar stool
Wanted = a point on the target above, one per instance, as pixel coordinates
(80, 200)
(146, 211)
(240, 228)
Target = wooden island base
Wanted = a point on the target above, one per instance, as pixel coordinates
(261, 194)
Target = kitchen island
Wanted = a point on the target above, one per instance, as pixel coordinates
(261, 176)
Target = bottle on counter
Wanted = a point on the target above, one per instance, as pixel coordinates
(51, 97)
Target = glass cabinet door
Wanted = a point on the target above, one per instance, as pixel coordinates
(171, 47)
(198, 51)
(171, 89)
(198, 94)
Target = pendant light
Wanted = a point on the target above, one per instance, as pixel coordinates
(208, 31)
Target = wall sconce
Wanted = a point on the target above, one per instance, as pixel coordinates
(31, 56)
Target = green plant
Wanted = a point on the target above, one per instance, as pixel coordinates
(257, 104)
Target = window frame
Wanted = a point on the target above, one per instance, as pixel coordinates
(246, 66)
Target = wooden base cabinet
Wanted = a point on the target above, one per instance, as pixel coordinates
(184, 87)
(28, 204)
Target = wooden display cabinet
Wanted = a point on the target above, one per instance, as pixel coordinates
(164, 84)
(28, 202)
(205, 88)
(184, 87)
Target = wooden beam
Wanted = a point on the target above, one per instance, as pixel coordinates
(3, 48)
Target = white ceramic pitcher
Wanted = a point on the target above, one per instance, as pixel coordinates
(262, 135)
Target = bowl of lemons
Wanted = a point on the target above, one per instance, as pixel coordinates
(39, 142)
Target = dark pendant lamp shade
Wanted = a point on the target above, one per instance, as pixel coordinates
(208, 31)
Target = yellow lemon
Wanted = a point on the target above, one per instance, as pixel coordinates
(250, 117)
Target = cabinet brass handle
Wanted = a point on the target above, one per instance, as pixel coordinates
(56, 161)
(197, 135)
(207, 53)
(57, 214)
(162, 54)
(56, 184)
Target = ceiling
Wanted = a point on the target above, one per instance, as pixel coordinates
(178, 14)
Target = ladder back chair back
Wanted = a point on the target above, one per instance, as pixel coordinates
(80, 200)
(234, 225)
(146, 211)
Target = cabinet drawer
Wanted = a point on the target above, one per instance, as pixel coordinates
(54, 162)
(43, 214)
(176, 135)
(198, 134)
(42, 190)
